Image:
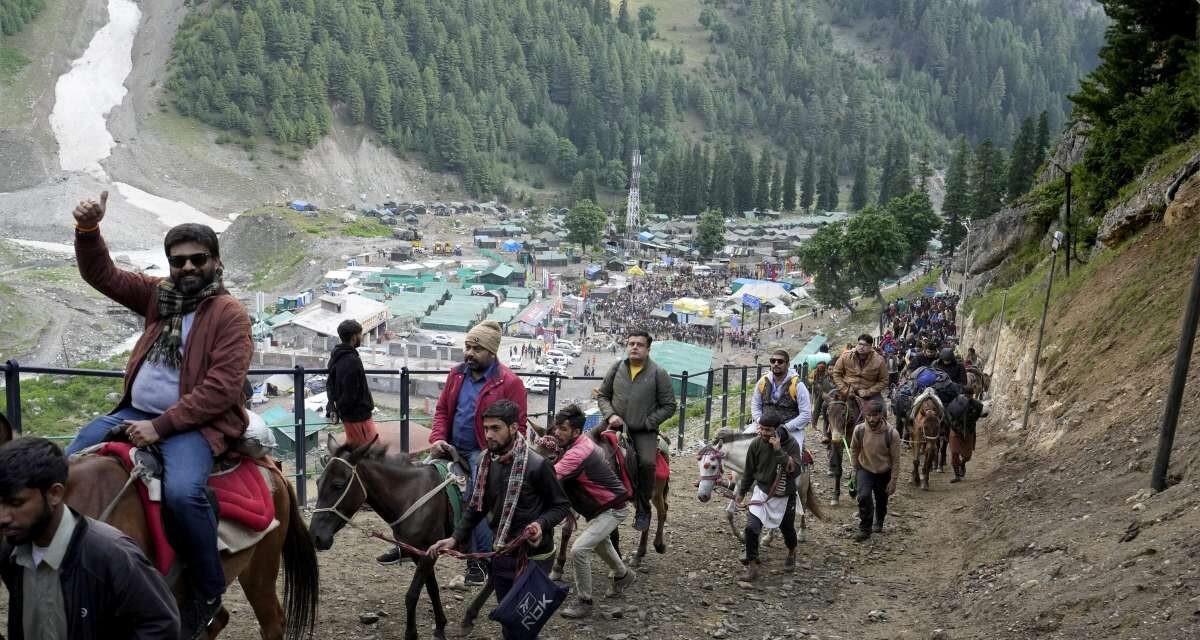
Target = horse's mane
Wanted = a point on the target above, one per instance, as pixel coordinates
(376, 452)
(729, 436)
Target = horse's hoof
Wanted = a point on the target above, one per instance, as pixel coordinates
(660, 548)
(439, 634)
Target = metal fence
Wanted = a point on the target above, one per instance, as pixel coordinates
(694, 419)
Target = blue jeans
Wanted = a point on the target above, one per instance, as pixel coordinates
(187, 461)
(481, 537)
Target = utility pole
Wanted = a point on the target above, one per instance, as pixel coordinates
(1066, 221)
(1037, 352)
(633, 209)
(1158, 481)
(962, 286)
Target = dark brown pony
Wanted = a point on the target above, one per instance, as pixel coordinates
(95, 481)
(390, 485)
(927, 434)
(838, 415)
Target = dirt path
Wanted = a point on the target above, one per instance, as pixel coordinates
(690, 592)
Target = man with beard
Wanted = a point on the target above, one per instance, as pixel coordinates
(861, 373)
(70, 577)
(597, 493)
(349, 397)
(183, 385)
(514, 491)
(470, 389)
(875, 453)
(950, 364)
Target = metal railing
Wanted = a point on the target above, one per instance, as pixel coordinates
(13, 371)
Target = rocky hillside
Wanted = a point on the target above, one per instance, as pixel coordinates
(1069, 541)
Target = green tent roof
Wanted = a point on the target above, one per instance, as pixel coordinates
(677, 357)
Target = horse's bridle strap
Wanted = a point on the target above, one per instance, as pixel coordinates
(353, 478)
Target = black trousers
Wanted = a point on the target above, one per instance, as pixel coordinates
(754, 528)
(872, 497)
(645, 444)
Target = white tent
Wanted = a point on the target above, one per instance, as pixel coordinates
(762, 291)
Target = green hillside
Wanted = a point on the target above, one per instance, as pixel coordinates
(571, 87)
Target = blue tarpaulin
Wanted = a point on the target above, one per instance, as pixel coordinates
(645, 236)
(511, 245)
(301, 205)
(592, 271)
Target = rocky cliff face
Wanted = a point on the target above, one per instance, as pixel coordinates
(1159, 192)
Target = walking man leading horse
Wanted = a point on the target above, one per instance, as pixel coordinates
(183, 384)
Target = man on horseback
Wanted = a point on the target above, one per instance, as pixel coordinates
(69, 576)
(636, 395)
(926, 358)
(470, 389)
(183, 384)
(515, 492)
(597, 494)
(772, 466)
(861, 373)
(875, 453)
(781, 391)
(948, 363)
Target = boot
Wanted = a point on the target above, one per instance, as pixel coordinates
(751, 572)
(581, 609)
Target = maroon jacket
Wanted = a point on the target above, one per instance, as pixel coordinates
(215, 358)
(502, 385)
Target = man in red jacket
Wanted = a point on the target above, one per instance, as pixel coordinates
(183, 384)
(470, 389)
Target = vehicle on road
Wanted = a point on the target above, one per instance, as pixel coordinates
(442, 340)
(539, 386)
(568, 347)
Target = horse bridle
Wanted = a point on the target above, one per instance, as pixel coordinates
(346, 491)
(717, 455)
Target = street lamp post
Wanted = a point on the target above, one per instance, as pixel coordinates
(1066, 222)
(1037, 352)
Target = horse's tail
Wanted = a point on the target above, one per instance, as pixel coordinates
(811, 504)
(301, 586)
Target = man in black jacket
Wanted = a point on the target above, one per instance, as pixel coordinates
(517, 491)
(69, 576)
(349, 398)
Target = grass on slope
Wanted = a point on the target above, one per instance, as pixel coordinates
(11, 62)
(868, 309)
(60, 405)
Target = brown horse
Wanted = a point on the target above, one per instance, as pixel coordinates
(96, 481)
(838, 416)
(927, 434)
(392, 486)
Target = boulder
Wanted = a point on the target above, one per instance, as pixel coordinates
(1148, 204)
(1186, 201)
(1066, 153)
(995, 238)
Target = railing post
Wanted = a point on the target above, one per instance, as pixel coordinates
(725, 396)
(550, 400)
(301, 432)
(742, 408)
(708, 389)
(758, 369)
(683, 385)
(12, 394)
(404, 408)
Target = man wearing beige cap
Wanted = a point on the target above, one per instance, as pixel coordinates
(470, 389)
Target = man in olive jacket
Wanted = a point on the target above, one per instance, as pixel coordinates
(636, 395)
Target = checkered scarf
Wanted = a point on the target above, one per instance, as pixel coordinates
(172, 307)
(519, 457)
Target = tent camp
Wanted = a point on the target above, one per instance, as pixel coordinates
(677, 357)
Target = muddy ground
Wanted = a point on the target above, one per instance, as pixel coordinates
(690, 591)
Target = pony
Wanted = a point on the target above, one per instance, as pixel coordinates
(839, 415)
(411, 498)
(96, 482)
(928, 421)
(729, 449)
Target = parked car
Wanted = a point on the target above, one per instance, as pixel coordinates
(516, 365)
(568, 347)
(538, 385)
(559, 356)
(442, 340)
(551, 367)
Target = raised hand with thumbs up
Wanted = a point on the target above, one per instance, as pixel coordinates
(88, 213)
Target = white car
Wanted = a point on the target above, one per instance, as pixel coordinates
(551, 367)
(538, 385)
(516, 365)
(442, 340)
(568, 347)
(558, 356)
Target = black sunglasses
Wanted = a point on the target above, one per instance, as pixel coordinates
(198, 260)
(777, 361)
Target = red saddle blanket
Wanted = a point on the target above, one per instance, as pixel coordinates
(662, 467)
(243, 497)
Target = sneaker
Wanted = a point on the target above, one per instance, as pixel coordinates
(476, 574)
(862, 536)
(619, 585)
(580, 609)
(389, 557)
(751, 572)
(641, 521)
(195, 616)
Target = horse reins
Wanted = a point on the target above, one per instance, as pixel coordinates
(420, 502)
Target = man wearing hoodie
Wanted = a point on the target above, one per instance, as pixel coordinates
(349, 398)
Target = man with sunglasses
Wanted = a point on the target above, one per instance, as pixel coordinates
(183, 385)
(781, 391)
